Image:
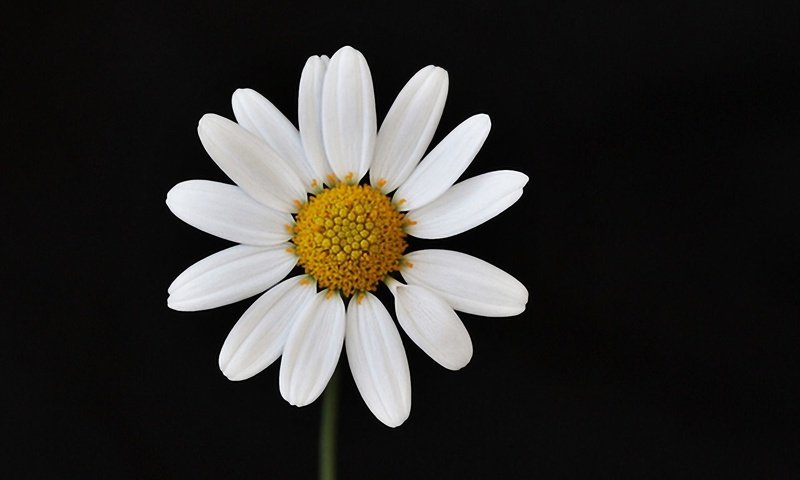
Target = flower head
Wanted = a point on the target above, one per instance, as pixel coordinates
(299, 200)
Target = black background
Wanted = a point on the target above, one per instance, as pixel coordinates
(657, 238)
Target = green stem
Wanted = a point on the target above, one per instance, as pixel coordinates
(327, 429)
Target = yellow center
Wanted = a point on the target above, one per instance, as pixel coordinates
(349, 238)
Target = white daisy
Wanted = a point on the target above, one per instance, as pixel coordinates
(298, 200)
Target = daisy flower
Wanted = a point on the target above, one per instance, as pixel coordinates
(299, 200)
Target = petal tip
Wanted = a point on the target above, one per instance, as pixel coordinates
(348, 53)
(394, 422)
(172, 303)
(242, 94)
(440, 72)
(175, 191)
(206, 118)
(181, 305)
(313, 60)
(458, 364)
(208, 123)
(233, 376)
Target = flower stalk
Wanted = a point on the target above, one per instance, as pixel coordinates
(327, 429)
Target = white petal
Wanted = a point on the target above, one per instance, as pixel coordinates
(348, 115)
(229, 276)
(408, 128)
(440, 169)
(258, 337)
(467, 283)
(251, 163)
(377, 360)
(467, 204)
(430, 322)
(312, 349)
(261, 117)
(227, 212)
(309, 116)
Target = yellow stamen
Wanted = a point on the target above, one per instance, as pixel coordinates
(349, 238)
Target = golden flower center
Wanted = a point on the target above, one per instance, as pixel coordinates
(349, 238)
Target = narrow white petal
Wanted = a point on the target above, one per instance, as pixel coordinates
(440, 169)
(227, 212)
(408, 128)
(433, 325)
(348, 115)
(467, 283)
(230, 275)
(312, 349)
(467, 204)
(309, 116)
(261, 117)
(377, 360)
(251, 163)
(258, 337)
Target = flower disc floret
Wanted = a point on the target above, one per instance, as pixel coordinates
(349, 238)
